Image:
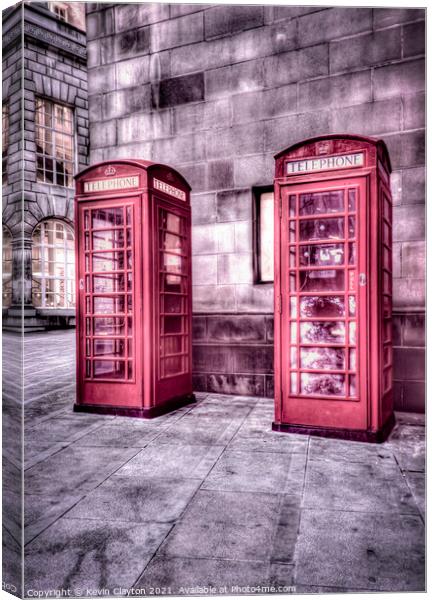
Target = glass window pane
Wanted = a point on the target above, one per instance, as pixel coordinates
(322, 358)
(322, 332)
(323, 255)
(351, 200)
(105, 240)
(266, 232)
(293, 383)
(172, 304)
(173, 324)
(171, 345)
(321, 202)
(108, 305)
(107, 217)
(109, 326)
(108, 369)
(322, 281)
(112, 282)
(107, 347)
(173, 365)
(320, 229)
(322, 384)
(108, 261)
(322, 306)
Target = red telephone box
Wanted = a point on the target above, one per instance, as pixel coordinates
(133, 224)
(333, 288)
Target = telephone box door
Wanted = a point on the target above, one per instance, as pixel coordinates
(323, 273)
(172, 255)
(109, 279)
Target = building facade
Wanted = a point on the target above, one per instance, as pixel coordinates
(216, 91)
(45, 142)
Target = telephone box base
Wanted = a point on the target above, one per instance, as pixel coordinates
(140, 413)
(354, 435)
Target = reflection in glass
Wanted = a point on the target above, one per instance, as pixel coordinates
(173, 283)
(321, 203)
(293, 333)
(352, 385)
(108, 305)
(104, 218)
(171, 263)
(352, 305)
(105, 240)
(351, 200)
(351, 227)
(108, 369)
(294, 383)
(108, 261)
(108, 347)
(322, 358)
(322, 306)
(171, 242)
(352, 332)
(352, 359)
(322, 332)
(322, 281)
(171, 222)
(320, 229)
(324, 255)
(109, 326)
(293, 357)
(111, 282)
(292, 206)
(322, 384)
(293, 306)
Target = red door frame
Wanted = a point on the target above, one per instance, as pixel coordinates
(326, 413)
(95, 392)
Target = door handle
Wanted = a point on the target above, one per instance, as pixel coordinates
(81, 284)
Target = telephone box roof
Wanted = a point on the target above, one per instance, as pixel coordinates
(135, 162)
(339, 136)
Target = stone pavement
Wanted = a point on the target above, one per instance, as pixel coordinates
(210, 496)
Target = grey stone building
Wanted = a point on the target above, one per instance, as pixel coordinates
(45, 89)
(216, 91)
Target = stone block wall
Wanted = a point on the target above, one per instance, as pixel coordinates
(216, 91)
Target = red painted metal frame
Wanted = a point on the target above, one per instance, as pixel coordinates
(369, 414)
(141, 389)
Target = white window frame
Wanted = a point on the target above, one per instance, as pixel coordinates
(43, 278)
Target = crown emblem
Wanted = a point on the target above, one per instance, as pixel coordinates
(110, 171)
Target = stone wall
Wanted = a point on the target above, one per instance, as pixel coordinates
(216, 91)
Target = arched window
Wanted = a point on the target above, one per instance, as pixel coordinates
(7, 268)
(53, 265)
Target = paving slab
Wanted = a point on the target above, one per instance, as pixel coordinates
(201, 576)
(341, 450)
(62, 429)
(200, 431)
(264, 472)
(171, 461)
(86, 555)
(35, 452)
(372, 487)
(234, 526)
(122, 434)
(408, 445)
(137, 499)
(75, 469)
(360, 551)
(417, 484)
(42, 511)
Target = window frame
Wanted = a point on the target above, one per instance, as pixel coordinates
(68, 282)
(6, 282)
(5, 140)
(42, 128)
(257, 192)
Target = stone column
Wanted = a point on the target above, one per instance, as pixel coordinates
(22, 272)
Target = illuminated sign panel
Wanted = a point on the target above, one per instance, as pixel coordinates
(169, 189)
(325, 163)
(115, 183)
